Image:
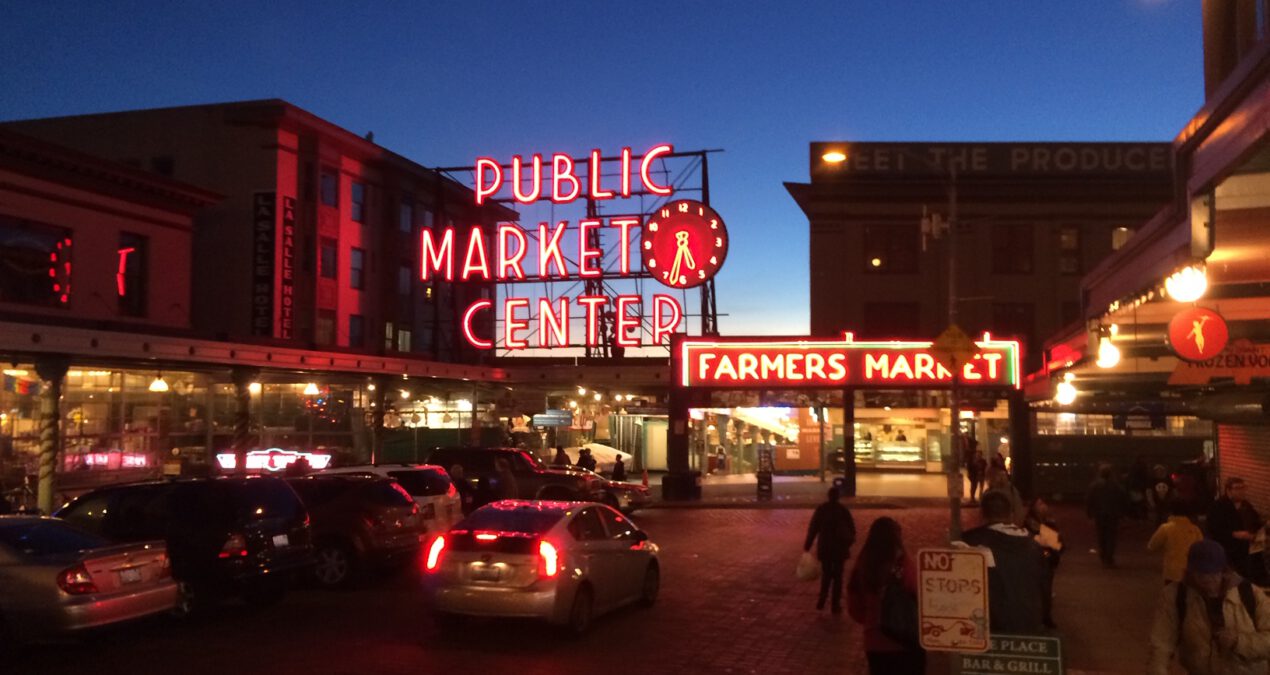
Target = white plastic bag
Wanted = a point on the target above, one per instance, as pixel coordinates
(808, 568)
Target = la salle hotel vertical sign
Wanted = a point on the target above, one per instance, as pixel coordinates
(681, 245)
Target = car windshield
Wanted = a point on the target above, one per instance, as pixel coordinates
(524, 519)
(268, 498)
(422, 482)
(46, 537)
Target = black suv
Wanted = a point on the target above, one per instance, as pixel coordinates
(237, 535)
(533, 480)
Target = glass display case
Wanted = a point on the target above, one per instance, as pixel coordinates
(903, 455)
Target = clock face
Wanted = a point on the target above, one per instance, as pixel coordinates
(684, 243)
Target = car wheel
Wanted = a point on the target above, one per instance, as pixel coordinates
(188, 600)
(333, 567)
(580, 615)
(652, 585)
(265, 592)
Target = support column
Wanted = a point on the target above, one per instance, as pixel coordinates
(848, 441)
(52, 371)
(378, 399)
(242, 379)
(1021, 461)
(679, 484)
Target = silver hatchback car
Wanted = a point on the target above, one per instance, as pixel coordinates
(564, 562)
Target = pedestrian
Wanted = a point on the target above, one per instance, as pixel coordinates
(1214, 622)
(1044, 529)
(720, 460)
(1160, 493)
(467, 498)
(1016, 579)
(586, 460)
(1105, 504)
(999, 463)
(883, 562)
(619, 469)
(1138, 482)
(833, 530)
(1234, 523)
(505, 485)
(999, 481)
(562, 458)
(976, 470)
(1174, 538)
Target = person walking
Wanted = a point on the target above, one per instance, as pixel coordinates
(832, 529)
(1105, 504)
(999, 481)
(1213, 621)
(976, 470)
(1234, 523)
(562, 458)
(619, 469)
(1160, 493)
(586, 460)
(1044, 530)
(1016, 580)
(883, 562)
(1174, 538)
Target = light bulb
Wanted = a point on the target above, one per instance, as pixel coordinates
(1108, 353)
(1065, 393)
(311, 389)
(1187, 284)
(254, 388)
(159, 384)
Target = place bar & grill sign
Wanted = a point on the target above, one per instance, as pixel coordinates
(682, 244)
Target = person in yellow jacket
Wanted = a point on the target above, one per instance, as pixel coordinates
(1215, 622)
(1175, 537)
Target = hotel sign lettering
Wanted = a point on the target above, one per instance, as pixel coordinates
(264, 234)
(806, 362)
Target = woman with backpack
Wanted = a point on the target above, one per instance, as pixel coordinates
(882, 597)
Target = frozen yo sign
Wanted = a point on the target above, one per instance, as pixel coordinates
(685, 243)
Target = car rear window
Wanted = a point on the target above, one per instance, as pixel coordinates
(521, 520)
(319, 491)
(268, 498)
(47, 537)
(388, 493)
(423, 482)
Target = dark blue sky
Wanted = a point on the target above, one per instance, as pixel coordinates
(444, 82)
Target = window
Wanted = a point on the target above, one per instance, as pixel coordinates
(356, 330)
(1119, 237)
(1069, 250)
(330, 187)
(390, 338)
(891, 320)
(1013, 319)
(35, 263)
(130, 274)
(325, 327)
(891, 249)
(1012, 249)
(403, 340)
(405, 279)
(406, 216)
(358, 194)
(587, 526)
(357, 269)
(326, 258)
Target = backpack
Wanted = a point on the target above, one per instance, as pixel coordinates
(1246, 596)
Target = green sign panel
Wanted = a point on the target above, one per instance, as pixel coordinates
(1016, 654)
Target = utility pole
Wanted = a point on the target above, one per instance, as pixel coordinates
(954, 452)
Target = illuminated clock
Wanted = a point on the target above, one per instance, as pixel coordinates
(684, 243)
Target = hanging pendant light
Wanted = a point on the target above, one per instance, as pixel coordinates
(311, 389)
(158, 384)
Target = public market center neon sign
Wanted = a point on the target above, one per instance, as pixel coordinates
(682, 245)
(803, 362)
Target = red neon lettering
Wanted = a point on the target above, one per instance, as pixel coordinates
(549, 250)
(900, 366)
(505, 261)
(873, 363)
(596, 191)
(536, 181)
(663, 329)
(992, 360)
(646, 164)
(467, 324)
(770, 364)
(119, 278)
(791, 367)
(593, 304)
(625, 225)
(703, 365)
(476, 249)
(626, 172)
(925, 364)
(815, 366)
(557, 322)
(969, 373)
(587, 252)
(432, 255)
(747, 366)
(562, 172)
(483, 189)
(511, 325)
(626, 323)
(838, 367)
(725, 368)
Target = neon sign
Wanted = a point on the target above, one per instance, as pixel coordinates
(273, 459)
(793, 363)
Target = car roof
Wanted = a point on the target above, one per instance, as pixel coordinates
(538, 505)
(24, 518)
(374, 468)
(184, 481)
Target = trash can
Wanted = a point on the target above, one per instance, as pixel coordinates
(765, 486)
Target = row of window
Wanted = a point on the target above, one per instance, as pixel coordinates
(329, 191)
(395, 337)
(888, 320)
(896, 249)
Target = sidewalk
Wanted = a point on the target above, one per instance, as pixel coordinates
(873, 490)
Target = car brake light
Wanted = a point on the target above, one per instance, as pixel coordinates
(451, 491)
(486, 536)
(235, 547)
(550, 559)
(165, 567)
(76, 581)
(434, 553)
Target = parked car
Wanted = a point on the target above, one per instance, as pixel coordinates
(430, 487)
(564, 562)
(358, 522)
(244, 536)
(534, 480)
(58, 578)
(625, 497)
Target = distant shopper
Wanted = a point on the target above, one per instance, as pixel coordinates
(720, 460)
(505, 485)
(832, 529)
(1106, 503)
(999, 481)
(586, 460)
(1234, 523)
(1160, 493)
(1016, 581)
(1044, 529)
(883, 562)
(1175, 538)
(619, 469)
(1215, 622)
(562, 458)
(999, 464)
(467, 496)
(976, 470)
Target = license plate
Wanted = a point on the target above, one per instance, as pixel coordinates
(129, 576)
(281, 540)
(486, 573)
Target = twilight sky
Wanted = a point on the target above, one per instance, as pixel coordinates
(444, 82)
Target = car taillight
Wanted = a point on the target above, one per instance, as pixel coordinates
(451, 491)
(235, 547)
(549, 559)
(76, 581)
(165, 567)
(434, 553)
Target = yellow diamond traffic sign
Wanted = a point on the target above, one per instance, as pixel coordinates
(953, 348)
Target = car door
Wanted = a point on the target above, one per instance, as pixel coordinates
(597, 552)
(631, 561)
